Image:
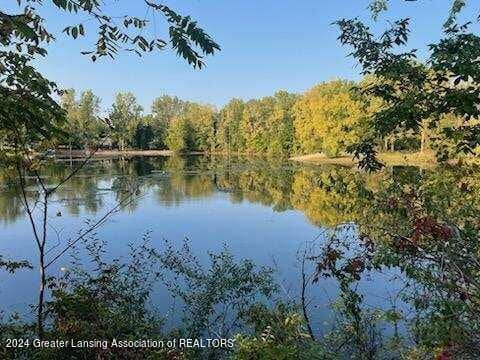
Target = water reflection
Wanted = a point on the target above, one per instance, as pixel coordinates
(217, 200)
(327, 196)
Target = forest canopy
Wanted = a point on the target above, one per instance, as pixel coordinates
(329, 118)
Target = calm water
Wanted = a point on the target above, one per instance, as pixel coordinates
(262, 210)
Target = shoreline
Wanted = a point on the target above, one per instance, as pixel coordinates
(81, 154)
(425, 160)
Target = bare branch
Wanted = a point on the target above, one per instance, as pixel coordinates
(125, 202)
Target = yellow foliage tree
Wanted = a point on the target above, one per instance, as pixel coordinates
(328, 118)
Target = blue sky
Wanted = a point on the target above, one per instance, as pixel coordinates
(267, 45)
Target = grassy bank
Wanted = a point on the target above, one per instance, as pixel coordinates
(426, 159)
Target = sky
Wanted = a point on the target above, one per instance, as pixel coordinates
(267, 45)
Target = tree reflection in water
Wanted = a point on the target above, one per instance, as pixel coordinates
(421, 222)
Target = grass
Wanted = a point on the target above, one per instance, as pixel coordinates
(426, 159)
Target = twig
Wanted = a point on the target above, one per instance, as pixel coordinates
(97, 224)
(75, 171)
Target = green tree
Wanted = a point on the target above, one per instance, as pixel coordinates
(229, 136)
(177, 133)
(201, 127)
(23, 36)
(125, 115)
(280, 124)
(254, 124)
(83, 127)
(69, 103)
(418, 95)
(257, 126)
(144, 135)
(164, 110)
(29, 112)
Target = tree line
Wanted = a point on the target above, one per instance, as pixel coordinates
(328, 118)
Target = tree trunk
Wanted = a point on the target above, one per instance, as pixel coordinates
(41, 256)
(423, 141)
(41, 294)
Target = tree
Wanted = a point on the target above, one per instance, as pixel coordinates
(114, 34)
(177, 133)
(88, 107)
(164, 110)
(418, 95)
(83, 126)
(144, 135)
(201, 127)
(280, 124)
(23, 34)
(254, 126)
(328, 118)
(29, 112)
(229, 137)
(125, 115)
(69, 103)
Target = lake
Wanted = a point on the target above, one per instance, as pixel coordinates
(259, 209)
